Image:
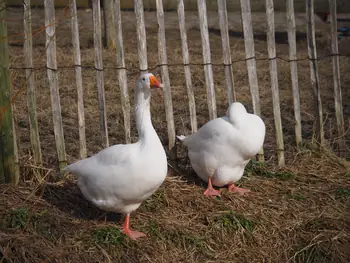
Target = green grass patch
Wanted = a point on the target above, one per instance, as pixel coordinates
(108, 236)
(232, 222)
(342, 193)
(257, 168)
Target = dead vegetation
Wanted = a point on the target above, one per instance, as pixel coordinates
(297, 214)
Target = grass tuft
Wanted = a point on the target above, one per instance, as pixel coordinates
(343, 193)
(108, 236)
(232, 222)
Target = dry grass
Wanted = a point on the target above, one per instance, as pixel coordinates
(299, 214)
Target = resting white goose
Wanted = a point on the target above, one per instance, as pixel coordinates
(220, 149)
(120, 177)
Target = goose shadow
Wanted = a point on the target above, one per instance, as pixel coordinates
(68, 198)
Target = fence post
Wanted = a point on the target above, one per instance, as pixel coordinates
(31, 89)
(8, 171)
(294, 70)
(78, 79)
(51, 64)
(109, 23)
(311, 41)
(271, 45)
(338, 100)
(96, 18)
(251, 61)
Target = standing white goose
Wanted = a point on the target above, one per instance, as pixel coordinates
(120, 177)
(220, 150)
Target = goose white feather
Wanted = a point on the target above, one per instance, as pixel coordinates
(220, 150)
(120, 177)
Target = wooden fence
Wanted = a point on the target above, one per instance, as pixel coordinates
(207, 64)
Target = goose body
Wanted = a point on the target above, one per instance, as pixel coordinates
(119, 178)
(220, 150)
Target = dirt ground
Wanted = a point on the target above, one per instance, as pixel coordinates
(296, 214)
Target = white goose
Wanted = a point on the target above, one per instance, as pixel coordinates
(120, 177)
(220, 150)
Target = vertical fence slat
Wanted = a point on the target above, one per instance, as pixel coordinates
(96, 16)
(51, 64)
(78, 79)
(222, 10)
(141, 36)
(109, 24)
(271, 46)
(251, 61)
(186, 61)
(336, 78)
(166, 80)
(8, 167)
(122, 77)
(203, 24)
(311, 40)
(294, 69)
(30, 75)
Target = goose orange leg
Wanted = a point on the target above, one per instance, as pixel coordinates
(234, 189)
(210, 190)
(131, 233)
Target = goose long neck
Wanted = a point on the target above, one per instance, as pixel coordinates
(142, 112)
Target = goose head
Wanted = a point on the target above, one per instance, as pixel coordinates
(148, 81)
(236, 112)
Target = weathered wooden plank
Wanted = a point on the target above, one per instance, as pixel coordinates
(294, 69)
(251, 61)
(122, 77)
(338, 100)
(226, 51)
(209, 81)
(78, 79)
(141, 36)
(8, 171)
(109, 24)
(51, 63)
(311, 40)
(186, 61)
(96, 17)
(31, 88)
(271, 46)
(166, 80)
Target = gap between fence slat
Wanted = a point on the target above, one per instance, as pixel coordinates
(336, 79)
(31, 88)
(96, 17)
(251, 61)
(51, 63)
(166, 80)
(186, 61)
(208, 71)
(222, 10)
(78, 79)
(294, 70)
(311, 40)
(122, 76)
(271, 46)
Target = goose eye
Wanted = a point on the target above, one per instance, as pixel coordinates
(143, 79)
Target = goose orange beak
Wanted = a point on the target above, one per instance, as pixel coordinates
(154, 82)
